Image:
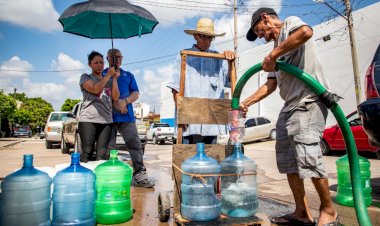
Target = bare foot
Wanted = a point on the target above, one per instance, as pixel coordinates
(328, 219)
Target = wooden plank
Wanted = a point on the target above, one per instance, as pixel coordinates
(223, 220)
(232, 73)
(202, 111)
(181, 152)
(203, 54)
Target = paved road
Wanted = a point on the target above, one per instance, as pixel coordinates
(272, 186)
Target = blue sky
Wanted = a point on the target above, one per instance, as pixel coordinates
(41, 60)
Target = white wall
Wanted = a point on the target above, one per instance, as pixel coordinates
(167, 102)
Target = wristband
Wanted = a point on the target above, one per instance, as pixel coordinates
(126, 101)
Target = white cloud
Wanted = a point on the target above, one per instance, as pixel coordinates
(39, 14)
(15, 68)
(150, 90)
(70, 68)
(53, 92)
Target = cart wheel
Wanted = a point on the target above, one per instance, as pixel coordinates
(163, 206)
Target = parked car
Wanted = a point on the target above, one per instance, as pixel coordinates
(141, 130)
(53, 128)
(332, 138)
(369, 110)
(256, 128)
(70, 135)
(160, 132)
(22, 131)
(42, 135)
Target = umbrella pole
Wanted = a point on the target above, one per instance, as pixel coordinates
(109, 15)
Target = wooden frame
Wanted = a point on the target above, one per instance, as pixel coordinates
(219, 111)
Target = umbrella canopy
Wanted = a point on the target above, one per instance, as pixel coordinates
(100, 19)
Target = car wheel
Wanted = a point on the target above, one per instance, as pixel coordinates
(324, 147)
(174, 140)
(77, 144)
(272, 134)
(64, 147)
(162, 142)
(48, 144)
(154, 139)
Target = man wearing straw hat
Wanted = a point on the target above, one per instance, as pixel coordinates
(205, 78)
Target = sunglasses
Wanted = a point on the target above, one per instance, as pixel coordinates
(206, 37)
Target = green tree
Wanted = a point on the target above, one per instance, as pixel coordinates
(21, 117)
(19, 96)
(69, 104)
(38, 110)
(7, 107)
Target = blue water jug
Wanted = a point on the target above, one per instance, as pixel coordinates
(74, 195)
(344, 191)
(239, 193)
(25, 198)
(199, 201)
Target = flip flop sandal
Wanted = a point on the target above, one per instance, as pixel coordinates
(333, 223)
(290, 220)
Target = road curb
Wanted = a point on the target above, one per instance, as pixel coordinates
(10, 144)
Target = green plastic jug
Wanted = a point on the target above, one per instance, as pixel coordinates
(344, 192)
(113, 203)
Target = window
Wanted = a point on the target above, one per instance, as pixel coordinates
(261, 121)
(250, 123)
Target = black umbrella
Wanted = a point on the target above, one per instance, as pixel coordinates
(101, 19)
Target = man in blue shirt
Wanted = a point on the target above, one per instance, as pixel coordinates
(124, 120)
(205, 78)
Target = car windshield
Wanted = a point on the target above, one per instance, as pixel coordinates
(58, 117)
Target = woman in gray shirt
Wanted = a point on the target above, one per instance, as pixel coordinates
(96, 115)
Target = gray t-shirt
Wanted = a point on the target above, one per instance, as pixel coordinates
(96, 108)
(292, 90)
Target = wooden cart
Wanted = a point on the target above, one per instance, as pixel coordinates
(209, 111)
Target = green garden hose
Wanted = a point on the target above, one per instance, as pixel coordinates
(331, 102)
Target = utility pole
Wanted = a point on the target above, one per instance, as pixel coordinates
(235, 27)
(355, 67)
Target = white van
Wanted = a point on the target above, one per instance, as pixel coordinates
(53, 128)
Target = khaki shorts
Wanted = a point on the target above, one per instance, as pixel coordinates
(298, 134)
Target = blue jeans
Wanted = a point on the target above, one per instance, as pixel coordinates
(193, 139)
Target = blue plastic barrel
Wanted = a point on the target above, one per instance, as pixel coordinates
(25, 198)
(74, 195)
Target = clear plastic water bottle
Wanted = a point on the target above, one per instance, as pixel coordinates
(199, 201)
(25, 198)
(344, 191)
(113, 203)
(74, 195)
(239, 193)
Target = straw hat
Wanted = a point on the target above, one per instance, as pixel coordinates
(205, 26)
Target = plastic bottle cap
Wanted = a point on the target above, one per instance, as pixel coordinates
(113, 153)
